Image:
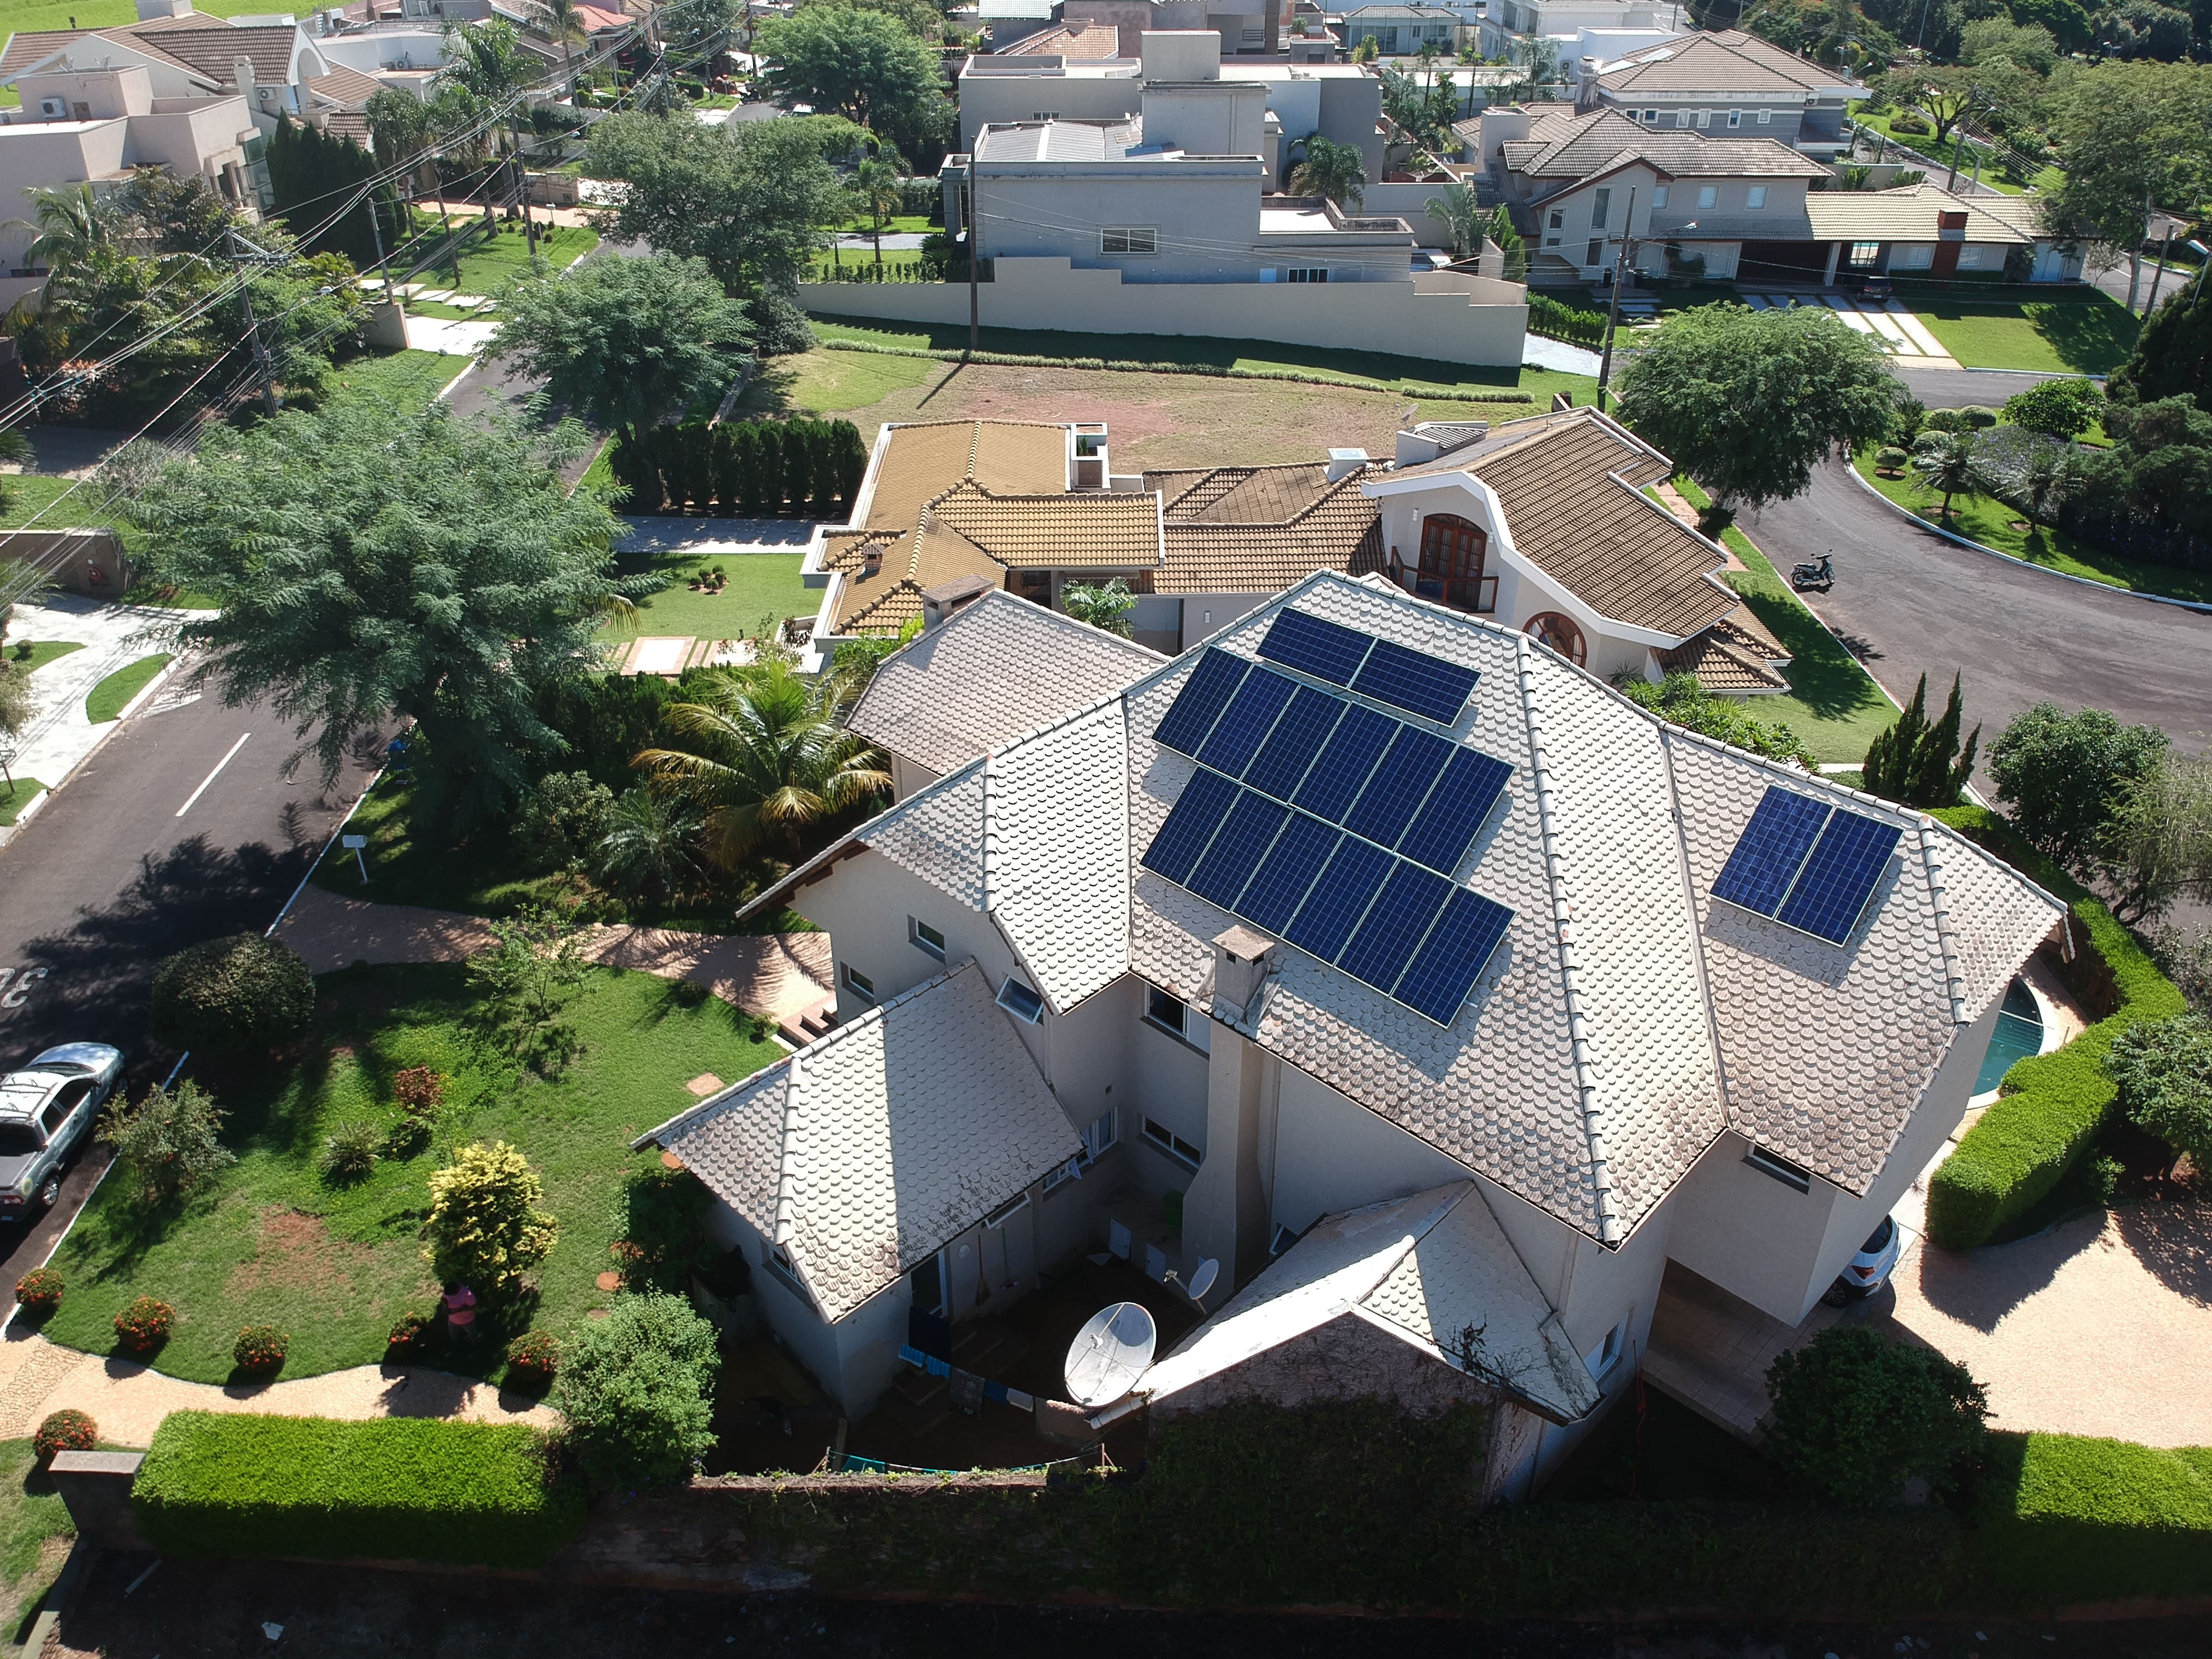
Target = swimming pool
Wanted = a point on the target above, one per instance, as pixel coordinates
(2019, 1033)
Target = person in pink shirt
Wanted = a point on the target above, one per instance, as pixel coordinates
(459, 1303)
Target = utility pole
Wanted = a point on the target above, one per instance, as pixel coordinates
(975, 266)
(2158, 272)
(253, 329)
(376, 229)
(1612, 311)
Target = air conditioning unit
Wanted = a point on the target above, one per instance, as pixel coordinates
(53, 109)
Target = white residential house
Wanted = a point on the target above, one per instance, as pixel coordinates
(1474, 1038)
(1508, 21)
(1727, 83)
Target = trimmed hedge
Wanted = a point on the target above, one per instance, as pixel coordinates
(2056, 1103)
(2064, 1518)
(391, 1489)
(1557, 320)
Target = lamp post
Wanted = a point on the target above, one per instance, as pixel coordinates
(1620, 268)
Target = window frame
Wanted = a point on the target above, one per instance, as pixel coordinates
(858, 982)
(1755, 198)
(1600, 206)
(1445, 573)
(1562, 633)
(1766, 116)
(917, 934)
(1775, 1167)
(1735, 119)
(1658, 197)
(784, 1270)
(1014, 996)
(1709, 195)
(1096, 1145)
(1594, 255)
(1611, 1348)
(1129, 236)
(1305, 274)
(1168, 1144)
(997, 1220)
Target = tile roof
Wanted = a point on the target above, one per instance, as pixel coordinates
(348, 123)
(1605, 139)
(345, 86)
(871, 1148)
(1083, 40)
(214, 51)
(1423, 1268)
(1627, 1021)
(995, 669)
(1596, 534)
(28, 48)
(1904, 215)
(1723, 666)
(1259, 529)
(1722, 62)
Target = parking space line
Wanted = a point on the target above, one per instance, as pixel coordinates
(210, 777)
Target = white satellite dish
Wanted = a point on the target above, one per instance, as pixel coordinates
(1202, 1278)
(1109, 1353)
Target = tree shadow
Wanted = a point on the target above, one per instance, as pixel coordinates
(2173, 1238)
(2090, 336)
(1979, 1287)
(1822, 673)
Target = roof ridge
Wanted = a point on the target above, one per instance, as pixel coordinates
(989, 839)
(1706, 1004)
(1954, 973)
(1562, 929)
(786, 1204)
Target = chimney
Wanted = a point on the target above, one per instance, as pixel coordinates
(939, 604)
(1343, 463)
(871, 560)
(1241, 961)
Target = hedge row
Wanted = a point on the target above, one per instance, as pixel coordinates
(2065, 1519)
(2055, 1103)
(747, 467)
(389, 1489)
(1555, 320)
(1211, 371)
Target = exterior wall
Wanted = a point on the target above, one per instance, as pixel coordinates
(991, 94)
(1327, 1154)
(35, 154)
(1349, 1358)
(1206, 117)
(386, 49)
(908, 776)
(1443, 316)
(1205, 615)
(790, 1316)
(1059, 209)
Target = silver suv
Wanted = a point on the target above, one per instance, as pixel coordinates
(46, 1113)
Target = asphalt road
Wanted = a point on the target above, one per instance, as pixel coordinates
(134, 860)
(1909, 603)
(1955, 388)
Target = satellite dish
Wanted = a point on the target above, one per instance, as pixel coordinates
(1109, 1353)
(1202, 1278)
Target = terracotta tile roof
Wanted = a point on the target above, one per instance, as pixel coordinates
(348, 123)
(1906, 215)
(1083, 40)
(1742, 627)
(1057, 531)
(1723, 666)
(1600, 537)
(28, 48)
(214, 51)
(345, 86)
(1258, 529)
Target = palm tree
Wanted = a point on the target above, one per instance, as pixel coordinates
(1945, 461)
(763, 759)
(874, 188)
(74, 227)
(486, 61)
(563, 21)
(1514, 262)
(1332, 171)
(1462, 220)
(648, 850)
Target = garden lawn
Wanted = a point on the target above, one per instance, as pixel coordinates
(14, 799)
(1834, 704)
(107, 700)
(410, 380)
(32, 655)
(1985, 520)
(35, 1532)
(2090, 336)
(37, 499)
(267, 1239)
(760, 585)
(2046, 178)
(95, 14)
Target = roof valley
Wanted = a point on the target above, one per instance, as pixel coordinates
(787, 1203)
(1666, 734)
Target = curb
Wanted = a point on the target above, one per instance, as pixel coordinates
(106, 730)
(2200, 607)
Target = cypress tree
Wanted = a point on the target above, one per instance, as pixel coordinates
(768, 437)
(1917, 764)
(851, 460)
(722, 459)
(746, 457)
(310, 171)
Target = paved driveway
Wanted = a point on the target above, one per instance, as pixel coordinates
(1909, 602)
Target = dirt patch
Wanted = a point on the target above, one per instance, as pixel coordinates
(17, 1599)
(296, 1252)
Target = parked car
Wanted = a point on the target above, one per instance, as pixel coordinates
(46, 1114)
(1867, 1271)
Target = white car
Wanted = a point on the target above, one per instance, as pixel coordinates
(1869, 1270)
(46, 1113)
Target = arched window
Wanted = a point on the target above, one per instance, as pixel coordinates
(1452, 552)
(1561, 633)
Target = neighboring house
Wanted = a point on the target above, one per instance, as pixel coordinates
(1010, 22)
(1403, 31)
(1925, 230)
(1727, 83)
(1541, 524)
(95, 126)
(1556, 997)
(1508, 21)
(1076, 41)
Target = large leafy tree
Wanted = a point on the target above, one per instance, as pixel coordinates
(2172, 357)
(1747, 402)
(866, 66)
(2165, 1072)
(2160, 845)
(2133, 137)
(624, 341)
(373, 562)
(761, 756)
(2060, 777)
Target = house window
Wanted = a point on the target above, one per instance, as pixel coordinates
(1044, 115)
(1005, 1211)
(1172, 1144)
(1129, 239)
(1709, 195)
(1969, 258)
(1178, 1018)
(1603, 1358)
(1035, 586)
(1704, 118)
(1306, 274)
(1659, 197)
(1650, 116)
(1561, 632)
(1019, 1000)
(859, 984)
(1735, 118)
(1600, 203)
(777, 1259)
(1682, 118)
(1771, 1164)
(1559, 219)
(1916, 258)
(1104, 1132)
(1865, 256)
(1755, 197)
(1452, 555)
(925, 938)
(1282, 1240)
(1766, 116)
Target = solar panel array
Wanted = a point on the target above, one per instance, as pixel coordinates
(1807, 865)
(1331, 824)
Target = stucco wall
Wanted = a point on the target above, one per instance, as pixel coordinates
(995, 96)
(1447, 319)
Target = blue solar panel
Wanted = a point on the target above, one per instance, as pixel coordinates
(1237, 851)
(1459, 806)
(1769, 852)
(1458, 947)
(1341, 771)
(1340, 898)
(1401, 783)
(1314, 647)
(1839, 878)
(1243, 726)
(1279, 885)
(1201, 700)
(1407, 679)
(1403, 911)
(1206, 800)
(1298, 737)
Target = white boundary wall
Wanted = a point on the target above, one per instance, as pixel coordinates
(1445, 316)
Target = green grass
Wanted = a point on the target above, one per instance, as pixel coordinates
(491, 265)
(2046, 178)
(25, 496)
(268, 1239)
(32, 655)
(760, 585)
(32, 1517)
(106, 701)
(828, 382)
(2087, 335)
(1369, 370)
(1988, 521)
(1834, 704)
(98, 13)
(13, 800)
(410, 380)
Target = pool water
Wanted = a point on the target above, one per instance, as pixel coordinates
(2019, 1033)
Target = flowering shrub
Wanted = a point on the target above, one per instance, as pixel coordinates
(65, 1431)
(260, 1348)
(144, 1325)
(410, 1334)
(39, 1292)
(419, 1091)
(531, 1360)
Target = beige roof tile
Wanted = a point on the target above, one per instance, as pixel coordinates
(1908, 214)
(1721, 62)
(345, 86)
(871, 1148)
(214, 52)
(1722, 665)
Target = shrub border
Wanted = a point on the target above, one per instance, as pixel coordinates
(2055, 1103)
